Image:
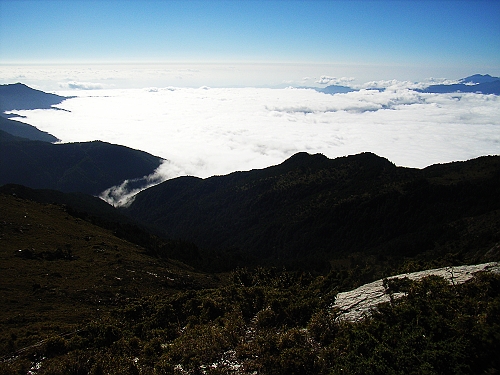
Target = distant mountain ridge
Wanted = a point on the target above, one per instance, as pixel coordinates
(18, 96)
(479, 78)
(476, 83)
(335, 89)
(22, 130)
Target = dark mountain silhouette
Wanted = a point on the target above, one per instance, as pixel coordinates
(311, 210)
(332, 89)
(479, 78)
(102, 214)
(19, 96)
(7, 137)
(335, 89)
(88, 167)
(20, 129)
(476, 83)
(27, 157)
(77, 202)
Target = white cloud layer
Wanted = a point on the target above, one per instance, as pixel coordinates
(214, 131)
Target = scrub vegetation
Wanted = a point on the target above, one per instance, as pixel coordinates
(271, 322)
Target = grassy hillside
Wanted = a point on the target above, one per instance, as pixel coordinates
(59, 272)
(94, 210)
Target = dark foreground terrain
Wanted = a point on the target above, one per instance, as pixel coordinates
(86, 290)
(77, 299)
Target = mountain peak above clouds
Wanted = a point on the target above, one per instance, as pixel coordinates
(89, 167)
(479, 78)
(335, 89)
(477, 83)
(18, 96)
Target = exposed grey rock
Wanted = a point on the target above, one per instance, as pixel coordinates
(357, 303)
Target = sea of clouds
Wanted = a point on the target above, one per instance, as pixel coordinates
(213, 131)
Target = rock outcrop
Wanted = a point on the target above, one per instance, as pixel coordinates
(358, 303)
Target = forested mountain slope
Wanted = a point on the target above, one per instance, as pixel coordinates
(311, 210)
(88, 167)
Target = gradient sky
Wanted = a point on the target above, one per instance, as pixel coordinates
(417, 37)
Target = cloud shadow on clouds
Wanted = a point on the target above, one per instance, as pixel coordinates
(73, 85)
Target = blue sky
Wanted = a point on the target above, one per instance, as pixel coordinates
(419, 37)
